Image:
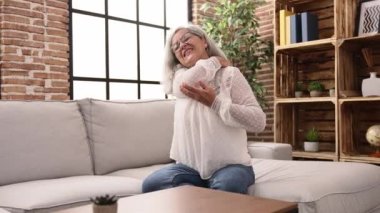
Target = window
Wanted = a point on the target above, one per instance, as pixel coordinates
(117, 46)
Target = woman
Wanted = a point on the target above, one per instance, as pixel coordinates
(214, 108)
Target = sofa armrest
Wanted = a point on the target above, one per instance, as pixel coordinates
(277, 151)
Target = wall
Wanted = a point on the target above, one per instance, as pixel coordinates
(34, 49)
(34, 52)
(266, 74)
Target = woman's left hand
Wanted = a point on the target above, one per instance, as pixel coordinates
(204, 94)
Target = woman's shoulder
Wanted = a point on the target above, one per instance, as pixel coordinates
(231, 71)
(179, 70)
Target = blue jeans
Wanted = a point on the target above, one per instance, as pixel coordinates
(232, 178)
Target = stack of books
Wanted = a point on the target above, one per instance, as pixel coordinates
(297, 27)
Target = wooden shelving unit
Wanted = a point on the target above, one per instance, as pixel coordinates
(336, 60)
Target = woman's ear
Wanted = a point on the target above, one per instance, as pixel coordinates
(205, 42)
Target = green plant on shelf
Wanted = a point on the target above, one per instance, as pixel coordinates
(312, 135)
(299, 86)
(315, 86)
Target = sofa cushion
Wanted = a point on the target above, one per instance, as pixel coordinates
(319, 186)
(265, 150)
(128, 134)
(138, 173)
(42, 139)
(54, 193)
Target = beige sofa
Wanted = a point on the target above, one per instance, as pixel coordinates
(59, 154)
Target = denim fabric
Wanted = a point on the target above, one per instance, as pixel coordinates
(232, 178)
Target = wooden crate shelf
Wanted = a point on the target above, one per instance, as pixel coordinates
(339, 59)
(360, 158)
(362, 39)
(312, 65)
(306, 46)
(293, 120)
(353, 67)
(358, 99)
(356, 118)
(315, 155)
(323, 9)
(305, 100)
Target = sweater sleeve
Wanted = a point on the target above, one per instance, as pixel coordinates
(204, 70)
(241, 109)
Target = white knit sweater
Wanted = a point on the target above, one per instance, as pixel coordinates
(207, 139)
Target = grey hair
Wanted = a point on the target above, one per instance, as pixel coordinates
(171, 64)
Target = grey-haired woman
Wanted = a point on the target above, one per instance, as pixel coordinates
(215, 107)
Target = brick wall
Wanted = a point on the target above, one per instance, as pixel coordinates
(265, 75)
(34, 49)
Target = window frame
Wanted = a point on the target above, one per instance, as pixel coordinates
(107, 80)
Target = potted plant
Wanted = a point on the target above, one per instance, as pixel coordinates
(315, 88)
(234, 27)
(298, 90)
(332, 92)
(312, 140)
(104, 204)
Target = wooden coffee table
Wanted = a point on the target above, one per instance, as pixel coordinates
(190, 199)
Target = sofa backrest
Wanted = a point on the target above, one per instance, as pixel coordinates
(41, 140)
(128, 134)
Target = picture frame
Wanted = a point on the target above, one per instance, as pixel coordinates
(369, 18)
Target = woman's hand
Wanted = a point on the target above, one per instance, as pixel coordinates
(205, 94)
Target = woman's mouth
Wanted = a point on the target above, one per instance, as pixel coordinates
(186, 52)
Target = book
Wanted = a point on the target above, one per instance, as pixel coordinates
(309, 25)
(295, 28)
(282, 18)
(287, 31)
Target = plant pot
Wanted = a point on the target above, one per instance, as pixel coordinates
(298, 94)
(315, 93)
(311, 146)
(104, 208)
(332, 92)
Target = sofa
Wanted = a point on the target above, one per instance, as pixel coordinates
(58, 154)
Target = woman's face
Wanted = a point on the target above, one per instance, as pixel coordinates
(188, 48)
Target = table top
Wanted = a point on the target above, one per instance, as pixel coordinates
(190, 199)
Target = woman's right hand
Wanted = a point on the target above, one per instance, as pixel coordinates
(224, 62)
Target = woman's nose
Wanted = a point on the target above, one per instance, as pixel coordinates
(182, 44)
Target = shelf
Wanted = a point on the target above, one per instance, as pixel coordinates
(320, 44)
(315, 155)
(338, 60)
(358, 99)
(361, 159)
(362, 39)
(305, 100)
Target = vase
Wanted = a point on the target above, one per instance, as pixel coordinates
(315, 93)
(371, 85)
(298, 94)
(104, 208)
(311, 146)
(332, 92)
